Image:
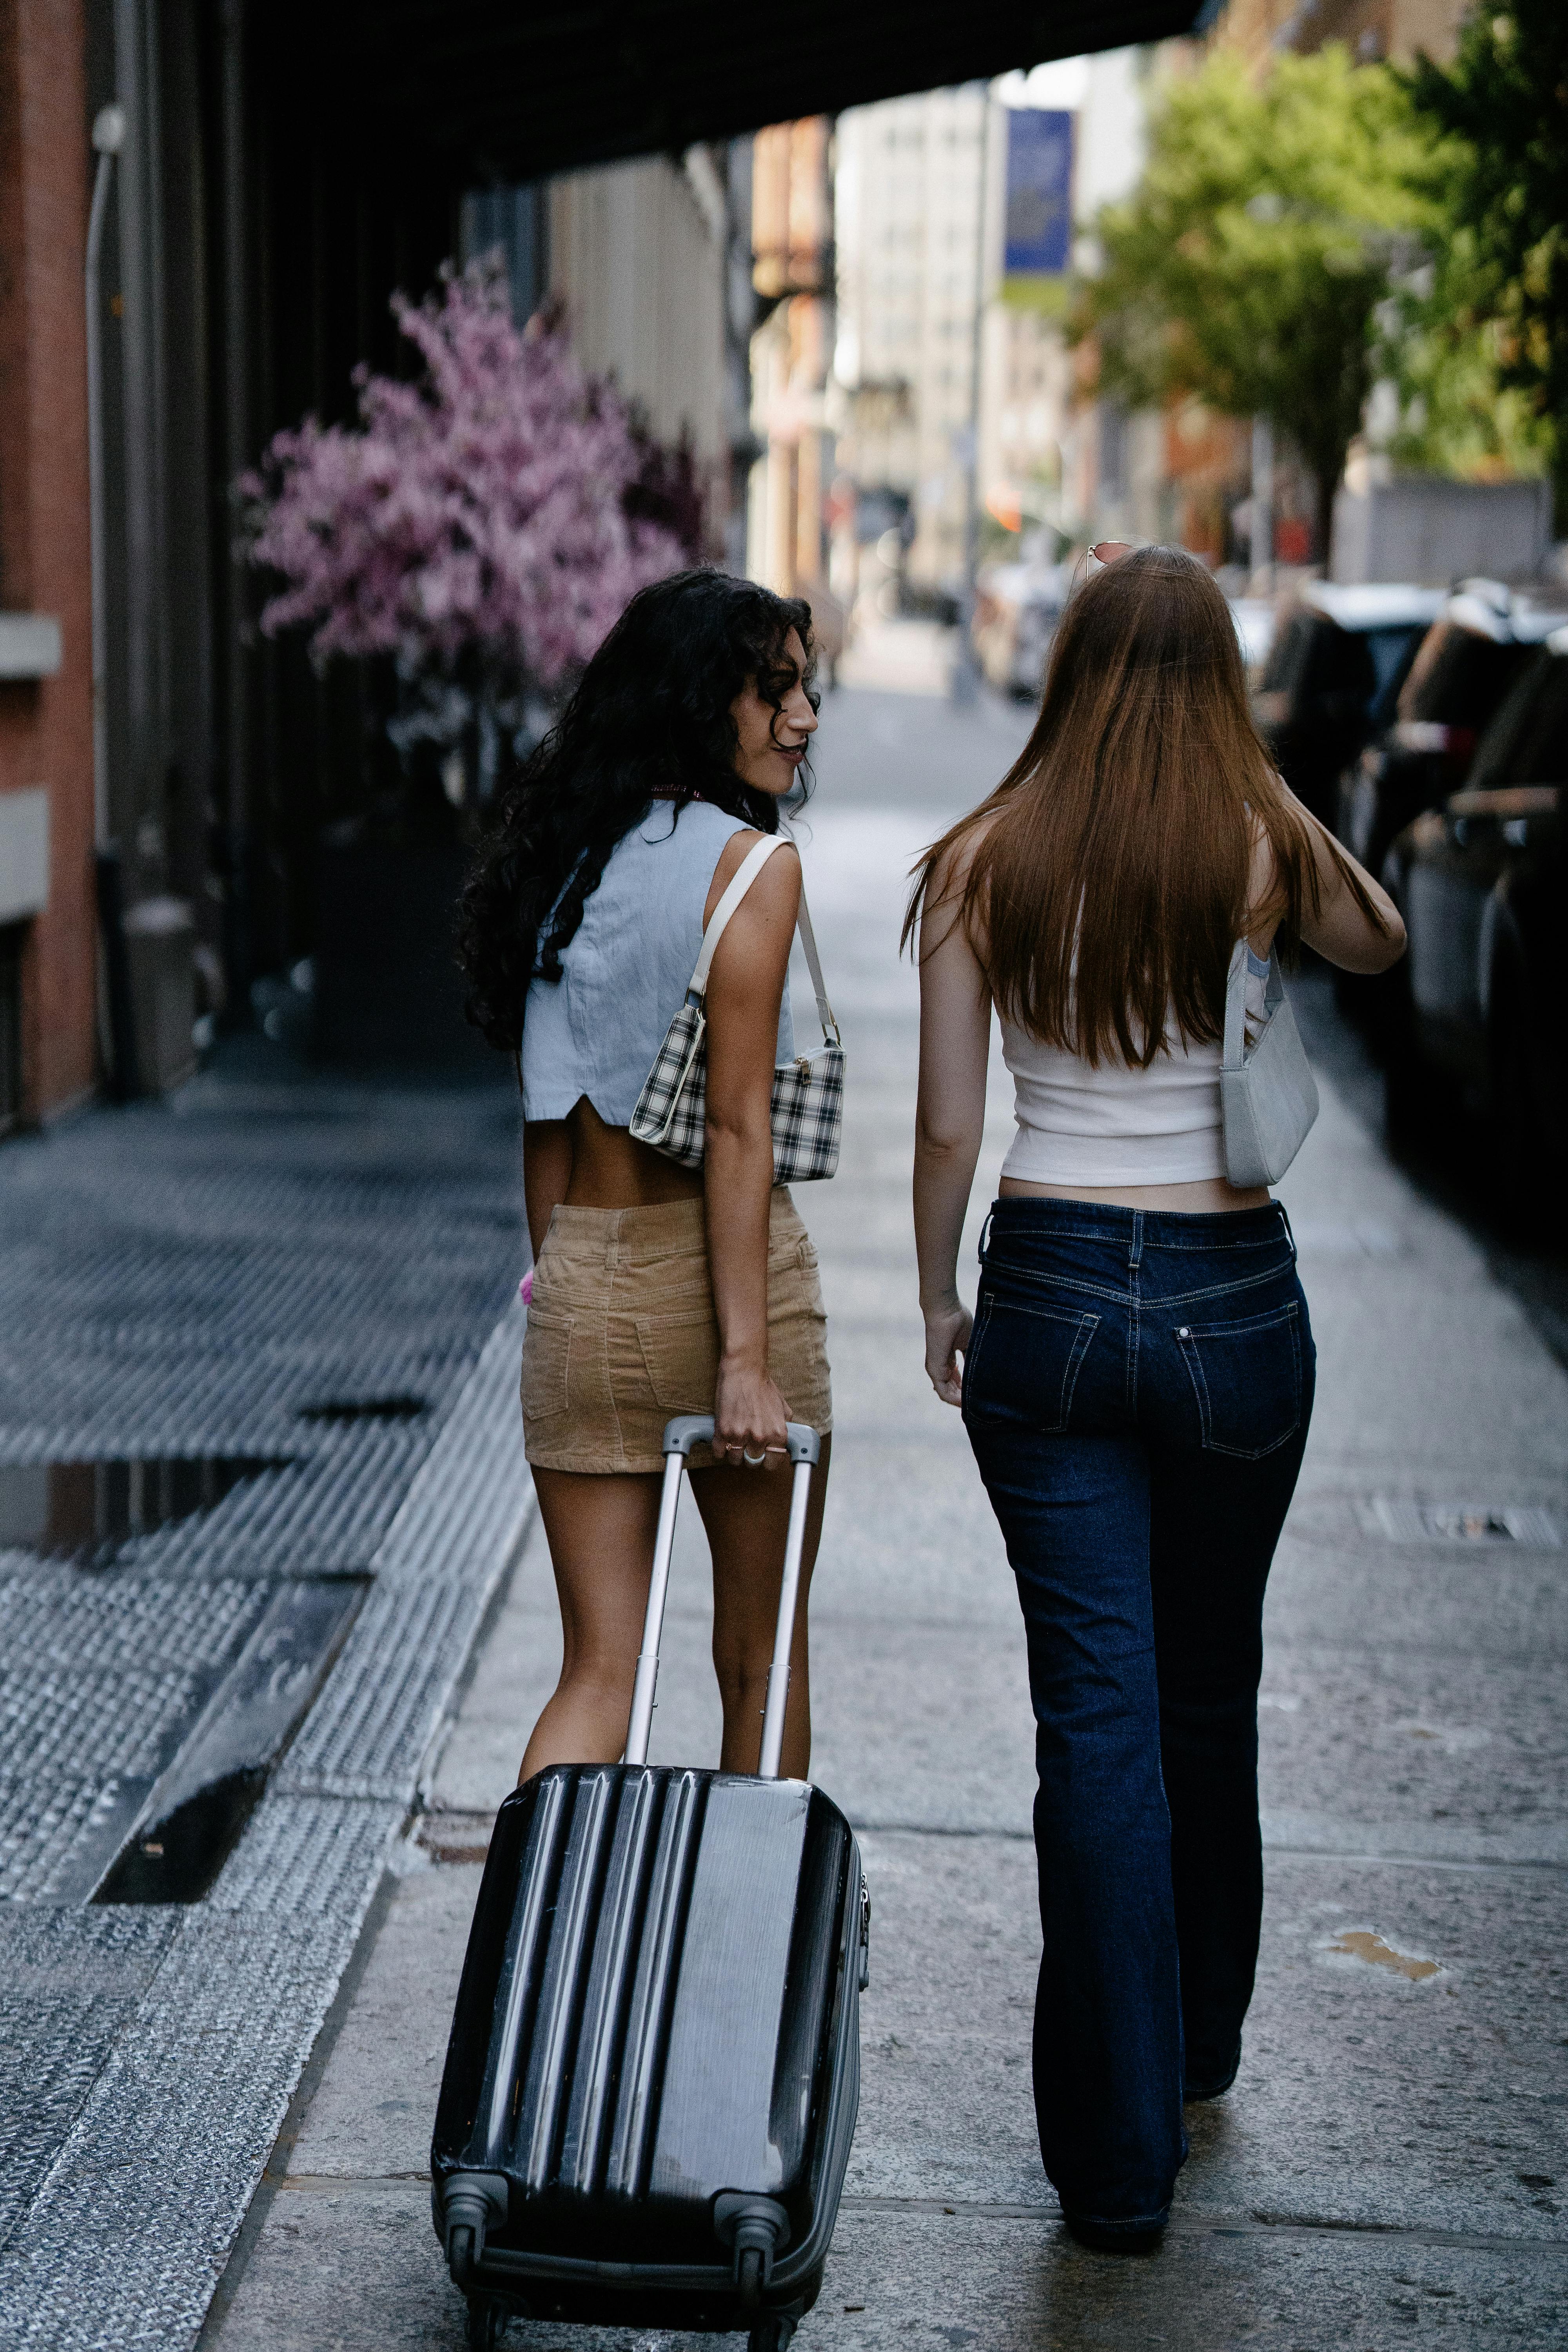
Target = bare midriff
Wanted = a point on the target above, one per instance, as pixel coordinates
(610, 1169)
(1209, 1196)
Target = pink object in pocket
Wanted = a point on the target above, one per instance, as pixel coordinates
(525, 1288)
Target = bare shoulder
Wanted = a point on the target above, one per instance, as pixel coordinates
(776, 887)
(942, 926)
(954, 860)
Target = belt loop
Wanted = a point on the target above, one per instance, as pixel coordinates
(1289, 1236)
(985, 1234)
(1137, 1251)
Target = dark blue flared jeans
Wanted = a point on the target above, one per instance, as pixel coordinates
(1137, 1393)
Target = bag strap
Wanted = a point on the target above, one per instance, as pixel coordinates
(1233, 1054)
(745, 874)
(824, 1012)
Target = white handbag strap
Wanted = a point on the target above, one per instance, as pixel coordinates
(745, 874)
(1233, 1054)
(808, 941)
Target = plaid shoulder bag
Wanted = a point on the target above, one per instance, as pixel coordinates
(808, 1093)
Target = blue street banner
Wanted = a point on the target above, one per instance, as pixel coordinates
(1037, 239)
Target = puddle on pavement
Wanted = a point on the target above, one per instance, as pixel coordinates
(1365, 1945)
(181, 1862)
(79, 1509)
(386, 1408)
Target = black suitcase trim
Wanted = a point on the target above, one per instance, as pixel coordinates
(577, 2287)
(790, 2269)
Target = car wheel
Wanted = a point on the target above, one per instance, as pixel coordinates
(1355, 996)
(1408, 1089)
(1514, 1145)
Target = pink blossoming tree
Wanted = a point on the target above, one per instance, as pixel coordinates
(484, 526)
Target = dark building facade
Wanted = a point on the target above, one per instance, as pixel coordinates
(46, 951)
(283, 170)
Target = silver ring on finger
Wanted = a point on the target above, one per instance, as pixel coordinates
(755, 1461)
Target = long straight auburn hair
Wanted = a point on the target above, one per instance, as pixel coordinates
(1104, 884)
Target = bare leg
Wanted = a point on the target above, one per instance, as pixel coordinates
(601, 1533)
(747, 1517)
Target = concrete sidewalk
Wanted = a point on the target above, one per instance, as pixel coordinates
(1390, 2163)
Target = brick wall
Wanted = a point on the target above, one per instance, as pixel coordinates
(45, 727)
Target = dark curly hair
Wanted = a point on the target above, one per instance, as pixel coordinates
(651, 717)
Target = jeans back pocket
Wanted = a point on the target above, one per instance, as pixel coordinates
(1247, 1378)
(1024, 1360)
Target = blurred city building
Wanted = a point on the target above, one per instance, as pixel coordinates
(277, 174)
(1210, 458)
(908, 211)
(790, 354)
(636, 258)
(1370, 29)
(1051, 452)
(1059, 464)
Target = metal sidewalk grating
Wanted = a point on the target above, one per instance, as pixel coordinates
(192, 1285)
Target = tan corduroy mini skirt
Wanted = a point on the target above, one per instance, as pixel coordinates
(622, 1335)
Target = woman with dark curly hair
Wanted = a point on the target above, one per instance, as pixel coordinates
(658, 1289)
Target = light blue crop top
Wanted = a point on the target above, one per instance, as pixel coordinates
(626, 969)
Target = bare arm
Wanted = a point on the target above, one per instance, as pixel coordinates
(1339, 930)
(546, 1173)
(950, 1117)
(746, 987)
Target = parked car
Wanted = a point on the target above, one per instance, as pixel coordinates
(1475, 649)
(1256, 622)
(1015, 614)
(1482, 883)
(1333, 675)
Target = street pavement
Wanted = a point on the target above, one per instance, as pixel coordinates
(1391, 2165)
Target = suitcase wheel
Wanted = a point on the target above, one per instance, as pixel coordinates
(772, 2334)
(487, 2324)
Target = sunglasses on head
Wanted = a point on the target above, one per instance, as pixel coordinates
(1108, 550)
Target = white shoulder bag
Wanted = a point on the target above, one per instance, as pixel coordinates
(1269, 1097)
(808, 1093)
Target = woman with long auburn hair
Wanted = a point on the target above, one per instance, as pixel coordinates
(1137, 1378)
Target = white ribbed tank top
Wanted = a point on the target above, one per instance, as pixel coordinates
(1079, 1124)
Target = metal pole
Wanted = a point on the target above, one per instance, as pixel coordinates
(967, 669)
(1262, 506)
(237, 946)
(107, 138)
(117, 1028)
(789, 1591)
(639, 1729)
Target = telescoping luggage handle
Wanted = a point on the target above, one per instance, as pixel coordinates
(690, 1429)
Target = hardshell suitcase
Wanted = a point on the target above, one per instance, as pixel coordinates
(651, 2087)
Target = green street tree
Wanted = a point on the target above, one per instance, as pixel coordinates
(1247, 267)
(1503, 105)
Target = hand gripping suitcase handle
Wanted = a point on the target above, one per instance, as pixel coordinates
(690, 1429)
